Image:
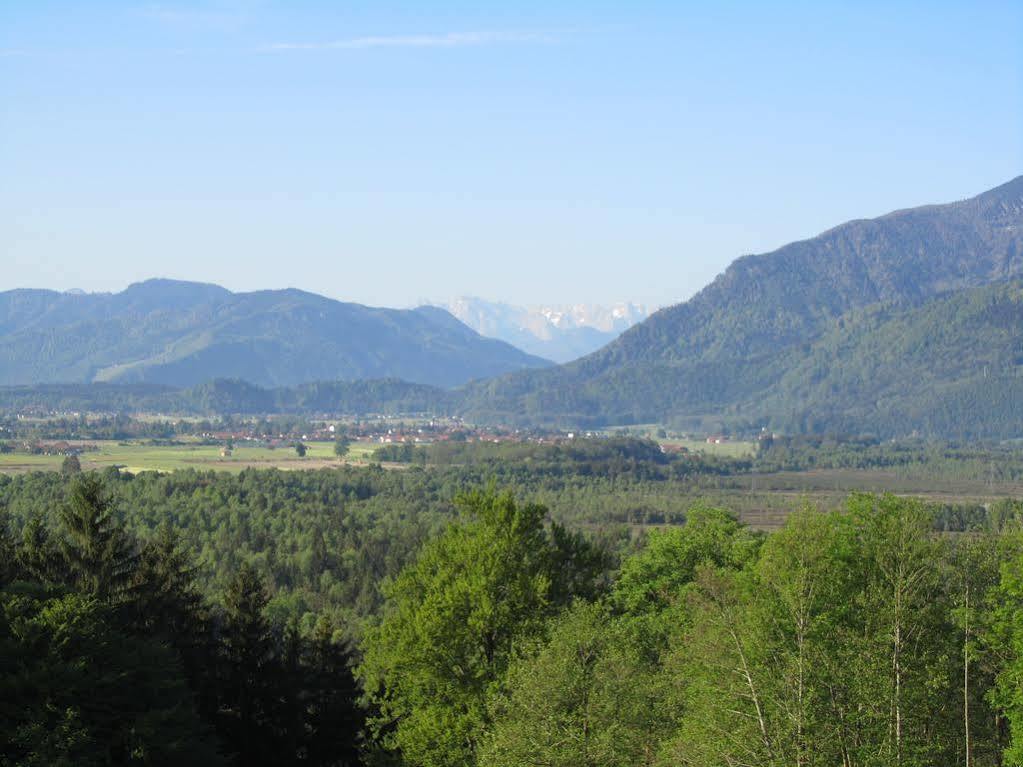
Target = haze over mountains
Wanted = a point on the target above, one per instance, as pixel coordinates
(184, 333)
(556, 332)
(911, 323)
(772, 340)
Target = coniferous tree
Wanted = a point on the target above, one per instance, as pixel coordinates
(38, 557)
(75, 689)
(167, 605)
(342, 445)
(8, 552)
(71, 466)
(99, 556)
(334, 718)
(251, 672)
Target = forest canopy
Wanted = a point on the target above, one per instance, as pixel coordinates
(419, 617)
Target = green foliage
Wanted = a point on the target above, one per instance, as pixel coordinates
(38, 557)
(226, 397)
(846, 638)
(342, 445)
(451, 622)
(868, 635)
(1001, 631)
(651, 581)
(71, 465)
(98, 556)
(586, 696)
(110, 655)
(77, 690)
(251, 714)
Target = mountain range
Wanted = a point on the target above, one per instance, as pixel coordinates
(556, 332)
(907, 322)
(910, 323)
(185, 333)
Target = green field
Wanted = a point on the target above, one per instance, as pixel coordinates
(135, 457)
(727, 449)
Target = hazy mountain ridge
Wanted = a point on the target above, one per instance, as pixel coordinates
(560, 332)
(182, 334)
(721, 356)
(950, 367)
(908, 323)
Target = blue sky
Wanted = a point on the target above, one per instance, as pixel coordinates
(532, 152)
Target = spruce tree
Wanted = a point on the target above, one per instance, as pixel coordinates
(37, 556)
(333, 716)
(8, 552)
(168, 606)
(249, 704)
(99, 556)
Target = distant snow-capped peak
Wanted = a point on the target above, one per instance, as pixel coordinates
(557, 331)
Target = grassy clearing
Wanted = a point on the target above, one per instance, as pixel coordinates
(141, 457)
(726, 449)
(729, 449)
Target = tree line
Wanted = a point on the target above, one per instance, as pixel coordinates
(858, 637)
(341, 615)
(109, 654)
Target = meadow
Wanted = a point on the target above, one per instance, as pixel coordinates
(727, 449)
(140, 456)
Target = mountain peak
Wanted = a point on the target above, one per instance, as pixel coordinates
(183, 333)
(1003, 204)
(560, 332)
(166, 286)
(732, 339)
(1009, 190)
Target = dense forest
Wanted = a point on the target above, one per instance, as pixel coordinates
(325, 541)
(226, 397)
(110, 655)
(427, 616)
(855, 638)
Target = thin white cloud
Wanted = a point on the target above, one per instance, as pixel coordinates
(12, 52)
(450, 40)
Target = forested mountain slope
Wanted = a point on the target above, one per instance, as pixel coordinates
(743, 346)
(951, 367)
(182, 334)
(232, 396)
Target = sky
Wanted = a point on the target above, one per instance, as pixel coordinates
(532, 152)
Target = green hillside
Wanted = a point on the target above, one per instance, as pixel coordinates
(951, 367)
(232, 396)
(181, 334)
(828, 333)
